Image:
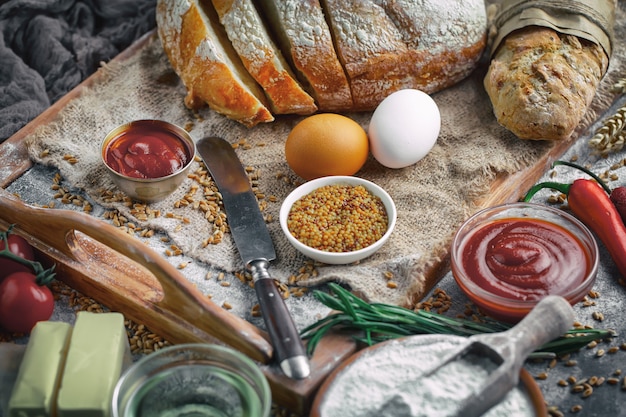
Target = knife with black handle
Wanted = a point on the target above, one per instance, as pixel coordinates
(255, 246)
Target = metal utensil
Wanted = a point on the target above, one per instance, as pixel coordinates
(549, 319)
(255, 246)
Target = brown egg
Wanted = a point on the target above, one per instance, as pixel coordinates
(326, 144)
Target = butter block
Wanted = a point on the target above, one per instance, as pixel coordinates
(35, 388)
(97, 353)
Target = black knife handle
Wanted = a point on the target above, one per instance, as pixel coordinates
(290, 351)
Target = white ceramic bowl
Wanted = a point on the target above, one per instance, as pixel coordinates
(338, 258)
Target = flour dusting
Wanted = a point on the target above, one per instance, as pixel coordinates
(387, 380)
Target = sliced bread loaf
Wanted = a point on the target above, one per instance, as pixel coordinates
(305, 39)
(205, 60)
(263, 60)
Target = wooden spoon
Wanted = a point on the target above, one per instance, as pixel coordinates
(124, 274)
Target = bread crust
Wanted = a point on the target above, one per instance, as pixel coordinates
(386, 46)
(541, 82)
(305, 39)
(261, 57)
(205, 61)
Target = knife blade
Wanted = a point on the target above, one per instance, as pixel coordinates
(255, 246)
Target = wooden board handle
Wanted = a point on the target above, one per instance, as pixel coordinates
(179, 302)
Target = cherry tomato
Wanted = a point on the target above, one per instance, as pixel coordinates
(20, 247)
(23, 302)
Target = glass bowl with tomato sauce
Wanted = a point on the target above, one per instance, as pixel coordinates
(148, 159)
(508, 257)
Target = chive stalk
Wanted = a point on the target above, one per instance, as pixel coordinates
(371, 323)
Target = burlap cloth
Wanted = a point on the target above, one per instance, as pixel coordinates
(433, 196)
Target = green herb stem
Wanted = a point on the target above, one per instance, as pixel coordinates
(586, 171)
(373, 323)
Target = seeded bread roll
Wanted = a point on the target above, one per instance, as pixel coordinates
(261, 57)
(541, 82)
(548, 58)
(203, 57)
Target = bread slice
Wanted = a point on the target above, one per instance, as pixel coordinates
(387, 46)
(203, 57)
(305, 39)
(261, 57)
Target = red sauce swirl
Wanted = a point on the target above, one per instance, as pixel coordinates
(147, 151)
(525, 259)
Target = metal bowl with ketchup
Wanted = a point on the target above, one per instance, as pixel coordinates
(506, 258)
(148, 159)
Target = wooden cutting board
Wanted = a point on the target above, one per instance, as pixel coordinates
(156, 294)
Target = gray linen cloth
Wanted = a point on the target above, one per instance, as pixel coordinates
(47, 47)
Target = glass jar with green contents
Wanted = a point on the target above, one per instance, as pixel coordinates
(193, 380)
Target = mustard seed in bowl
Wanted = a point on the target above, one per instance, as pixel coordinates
(338, 218)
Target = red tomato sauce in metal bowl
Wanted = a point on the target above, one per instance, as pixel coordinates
(525, 259)
(147, 151)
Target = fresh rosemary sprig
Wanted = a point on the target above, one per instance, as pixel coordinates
(371, 323)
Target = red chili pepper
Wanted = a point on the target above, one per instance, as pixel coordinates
(617, 195)
(590, 203)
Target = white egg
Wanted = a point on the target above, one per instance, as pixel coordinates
(404, 128)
